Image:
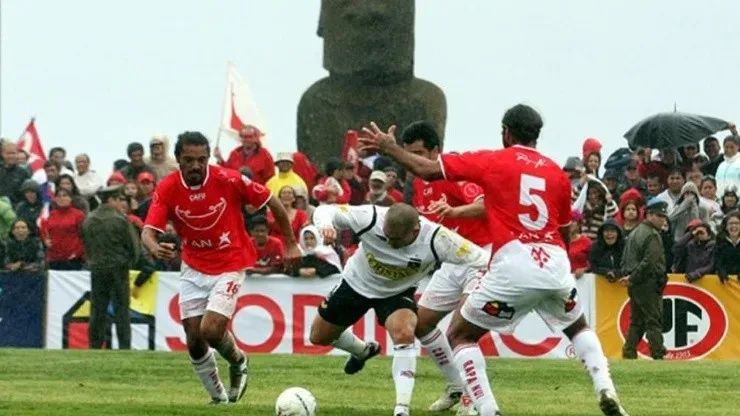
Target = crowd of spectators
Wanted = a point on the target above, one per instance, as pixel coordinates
(41, 212)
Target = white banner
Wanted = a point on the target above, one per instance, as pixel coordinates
(274, 315)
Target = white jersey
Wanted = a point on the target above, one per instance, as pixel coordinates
(378, 270)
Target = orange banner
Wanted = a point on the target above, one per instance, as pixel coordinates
(700, 320)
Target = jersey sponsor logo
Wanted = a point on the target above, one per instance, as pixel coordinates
(471, 190)
(537, 163)
(202, 221)
(499, 310)
(694, 322)
(200, 196)
(392, 272)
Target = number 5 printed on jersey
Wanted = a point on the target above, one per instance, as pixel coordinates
(528, 184)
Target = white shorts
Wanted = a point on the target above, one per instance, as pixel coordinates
(448, 284)
(525, 278)
(200, 292)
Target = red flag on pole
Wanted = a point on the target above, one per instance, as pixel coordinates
(31, 144)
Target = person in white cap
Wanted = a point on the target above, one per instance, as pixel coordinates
(161, 163)
(378, 194)
(285, 175)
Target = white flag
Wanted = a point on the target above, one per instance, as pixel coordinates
(239, 108)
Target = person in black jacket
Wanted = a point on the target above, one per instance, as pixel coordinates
(24, 252)
(606, 252)
(727, 253)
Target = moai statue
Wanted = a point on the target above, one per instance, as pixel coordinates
(369, 53)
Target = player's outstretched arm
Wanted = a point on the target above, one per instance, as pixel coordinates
(385, 143)
(292, 251)
(453, 248)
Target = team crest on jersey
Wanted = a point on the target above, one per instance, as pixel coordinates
(202, 220)
(499, 310)
(414, 263)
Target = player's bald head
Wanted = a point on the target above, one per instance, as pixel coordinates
(401, 225)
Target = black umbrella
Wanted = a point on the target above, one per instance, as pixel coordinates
(673, 130)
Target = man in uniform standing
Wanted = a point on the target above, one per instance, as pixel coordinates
(644, 266)
(112, 247)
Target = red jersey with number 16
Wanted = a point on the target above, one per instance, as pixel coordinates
(208, 218)
(455, 194)
(526, 194)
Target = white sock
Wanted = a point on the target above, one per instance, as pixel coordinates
(207, 372)
(471, 365)
(349, 342)
(588, 350)
(439, 349)
(404, 372)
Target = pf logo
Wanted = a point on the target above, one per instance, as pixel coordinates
(694, 323)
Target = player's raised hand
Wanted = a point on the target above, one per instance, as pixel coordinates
(164, 251)
(376, 140)
(329, 234)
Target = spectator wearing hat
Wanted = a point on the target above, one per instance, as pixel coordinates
(29, 209)
(611, 180)
(147, 183)
(378, 194)
(728, 172)
(727, 257)
(644, 270)
(693, 254)
(686, 210)
(135, 152)
(251, 154)
(605, 256)
(159, 161)
(112, 247)
(61, 234)
(592, 156)
(285, 175)
(631, 179)
(86, 179)
(631, 210)
(116, 178)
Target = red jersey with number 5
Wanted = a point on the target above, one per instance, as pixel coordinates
(208, 218)
(455, 194)
(526, 194)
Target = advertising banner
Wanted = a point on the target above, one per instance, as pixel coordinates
(22, 310)
(700, 320)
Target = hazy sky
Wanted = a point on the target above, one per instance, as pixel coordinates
(101, 74)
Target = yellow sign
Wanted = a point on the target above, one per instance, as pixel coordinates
(700, 320)
(145, 303)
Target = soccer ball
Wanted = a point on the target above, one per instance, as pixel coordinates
(295, 401)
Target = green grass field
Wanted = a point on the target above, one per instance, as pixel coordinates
(75, 383)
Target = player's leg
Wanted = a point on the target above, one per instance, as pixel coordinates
(194, 292)
(398, 315)
(562, 310)
(342, 308)
(222, 299)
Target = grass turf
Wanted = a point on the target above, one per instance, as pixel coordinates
(75, 383)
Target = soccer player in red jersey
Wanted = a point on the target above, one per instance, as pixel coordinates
(457, 205)
(205, 205)
(528, 206)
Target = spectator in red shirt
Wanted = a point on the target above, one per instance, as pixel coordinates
(358, 190)
(250, 154)
(580, 246)
(335, 170)
(392, 184)
(270, 250)
(298, 217)
(61, 233)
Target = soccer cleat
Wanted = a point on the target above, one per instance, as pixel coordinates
(449, 398)
(467, 407)
(217, 400)
(609, 404)
(401, 410)
(355, 364)
(239, 378)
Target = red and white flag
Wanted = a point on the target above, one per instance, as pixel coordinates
(239, 107)
(31, 144)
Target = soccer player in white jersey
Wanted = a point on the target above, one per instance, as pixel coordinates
(397, 249)
(527, 200)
